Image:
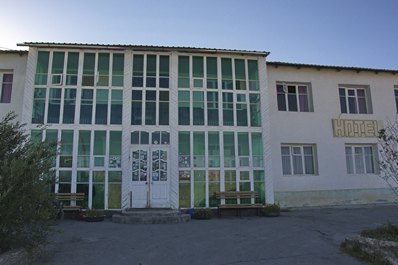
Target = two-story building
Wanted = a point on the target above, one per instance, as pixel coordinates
(148, 126)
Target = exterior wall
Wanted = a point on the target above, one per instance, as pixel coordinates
(332, 184)
(14, 63)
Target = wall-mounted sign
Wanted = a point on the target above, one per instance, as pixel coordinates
(356, 128)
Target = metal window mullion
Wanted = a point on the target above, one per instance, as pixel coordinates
(303, 159)
(91, 173)
(233, 74)
(46, 104)
(110, 72)
(64, 70)
(109, 103)
(291, 159)
(190, 63)
(62, 104)
(157, 75)
(144, 70)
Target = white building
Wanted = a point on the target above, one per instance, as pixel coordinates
(147, 126)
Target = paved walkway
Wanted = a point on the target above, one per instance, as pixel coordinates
(297, 237)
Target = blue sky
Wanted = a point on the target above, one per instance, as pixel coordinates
(361, 33)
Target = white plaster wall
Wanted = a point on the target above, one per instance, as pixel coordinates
(16, 63)
(316, 127)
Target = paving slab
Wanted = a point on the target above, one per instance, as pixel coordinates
(310, 236)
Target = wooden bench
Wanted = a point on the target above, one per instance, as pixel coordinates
(237, 195)
(62, 197)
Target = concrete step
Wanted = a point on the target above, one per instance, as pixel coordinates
(150, 216)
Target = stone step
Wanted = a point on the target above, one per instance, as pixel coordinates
(150, 216)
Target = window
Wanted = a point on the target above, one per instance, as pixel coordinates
(226, 73)
(115, 149)
(298, 159)
(72, 69)
(360, 159)
(83, 154)
(294, 97)
(39, 102)
(229, 149)
(241, 110)
(255, 110)
(183, 71)
(150, 70)
(228, 109)
(6, 87)
(42, 68)
(354, 100)
(101, 106)
(212, 108)
(198, 71)
(163, 107)
(396, 98)
(86, 106)
(199, 149)
(211, 72)
(198, 108)
(184, 150)
(54, 105)
(57, 69)
(69, 106)
(139, 137)
(183, 107)
(116, 106)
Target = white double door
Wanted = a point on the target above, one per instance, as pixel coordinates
(150, 177)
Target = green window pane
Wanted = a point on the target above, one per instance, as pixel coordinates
(229, 149)
(184, 150)
(199, 188)
(214, 149)
(164, 71)
(42, 68)
(259, 185)
(69, 106)
(197, 66)
(212, 108)
(138, 64)
(163, 108)
(184, 143)
(150, 108)
(99, 142)
(198, 108)
(116, 106)
(36, 136)
(257, 144)
(184, 108)
(151, 65)
(86, 106)
(88, 69)
(52, 137)
(253, 75)
(257, 150)
(199, 149)
(214, 186)
(136, 107)
(58, 63)
(115, 143)
(117, 69)
(243, 144)
(66, 150)
(184, 189)
(183, 71)
(228, 109)
(114, 195)
(84, 143)
(73, 63)
(138, 70)
(226, 73)
(230, 184)
(164, 66)
(115, 176)
(54, 105)
(66, 142)
(211, 67)
(255, 110)
(72, 69)
(39, 99)
(103, 69)
(101, 106)
(98, 190)
(240, 69)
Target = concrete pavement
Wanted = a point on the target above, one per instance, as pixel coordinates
(311, 236)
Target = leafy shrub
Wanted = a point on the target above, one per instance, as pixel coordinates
(271, 209)
(204, 213)
(25, 179)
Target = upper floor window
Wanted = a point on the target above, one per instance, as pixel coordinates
(396, 97)
(298, 159)
(294, 97)
(150, 70)
(6, 87)
(354, 100)
(360, 159)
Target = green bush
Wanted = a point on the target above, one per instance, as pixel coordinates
(271, 209)
(25, 180)
(204, 213)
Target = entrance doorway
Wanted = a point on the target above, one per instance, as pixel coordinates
(150, 177)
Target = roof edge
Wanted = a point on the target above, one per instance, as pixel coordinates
(337, 68)
(140, 48)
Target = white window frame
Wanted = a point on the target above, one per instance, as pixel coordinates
(286, 94)
(292, 148)
(366, 90)
(351, 158)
